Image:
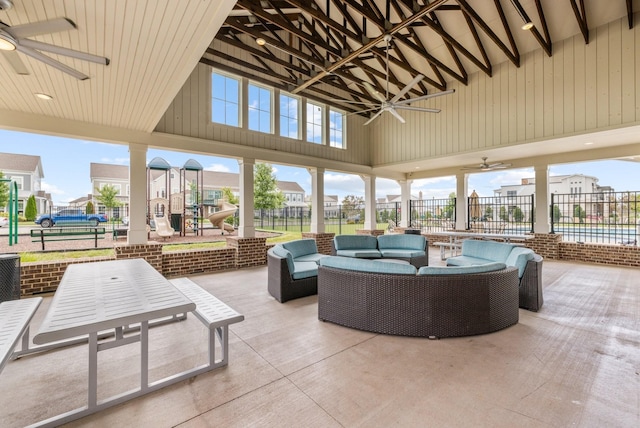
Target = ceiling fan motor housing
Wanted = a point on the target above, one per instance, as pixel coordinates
(6, 4)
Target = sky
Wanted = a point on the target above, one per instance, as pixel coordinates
(66, 170)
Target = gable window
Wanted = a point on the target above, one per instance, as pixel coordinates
(225, 99)
(259, 108)
(289, 116)
(314, 122)
(336, 128)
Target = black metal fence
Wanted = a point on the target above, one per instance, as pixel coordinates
(433, 215)
(606, 217)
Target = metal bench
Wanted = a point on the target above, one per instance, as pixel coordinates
(214, 314)
(15, 316)
(67, 234)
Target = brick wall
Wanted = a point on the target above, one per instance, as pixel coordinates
(547, 245)
(323, 241)
(249, 251)
(608, 254)
(376, 232)
(151, 252)
(181, 263)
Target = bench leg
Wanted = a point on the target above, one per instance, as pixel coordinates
(223, 337)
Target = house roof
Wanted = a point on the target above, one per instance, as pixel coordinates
(18, 162)
(108, 171)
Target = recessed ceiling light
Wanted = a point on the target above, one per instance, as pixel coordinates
(43, 96)
(260, 41)
(527, 26)
(588, 143)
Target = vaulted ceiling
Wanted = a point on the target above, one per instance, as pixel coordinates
(327, 49)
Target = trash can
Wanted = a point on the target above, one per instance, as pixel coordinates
(412, 231)
(9, 277)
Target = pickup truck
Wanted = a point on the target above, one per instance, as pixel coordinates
(69, 216)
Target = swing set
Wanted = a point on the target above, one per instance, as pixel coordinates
(13, 210)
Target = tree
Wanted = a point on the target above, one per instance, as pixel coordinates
(556, 213)
(229, 196)
(31, 211)
(504, 215)
(266, 194)
(579, 213)
(90, 209)
(4, 192)
(451, 206)
(351, 206)
(107, 196)
(518, 215)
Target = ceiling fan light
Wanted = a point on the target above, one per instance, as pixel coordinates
(527, 26)
(7, 43)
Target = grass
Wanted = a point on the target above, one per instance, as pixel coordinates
(63, 255)
(193, 246)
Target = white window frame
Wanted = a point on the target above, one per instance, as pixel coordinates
(289, 118)
(225, 100)
(343, 115)
(314, 125)
(258, 109)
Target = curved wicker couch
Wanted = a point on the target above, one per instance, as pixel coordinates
(419, 305)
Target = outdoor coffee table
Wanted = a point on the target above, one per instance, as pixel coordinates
(97, 297)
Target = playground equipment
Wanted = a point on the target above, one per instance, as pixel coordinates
(217, 218)
(163, 226)
(13, 211)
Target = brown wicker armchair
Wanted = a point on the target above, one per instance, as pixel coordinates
(531, 285)
(282, 286)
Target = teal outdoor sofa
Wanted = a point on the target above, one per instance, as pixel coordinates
(412, 248)
(529, 264)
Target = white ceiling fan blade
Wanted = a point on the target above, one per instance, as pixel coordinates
(374, 117)
(407, 88)
(426, 97)
(363, 111)
(16, 63)
(41, 27)
(342, 101)
(423, 109)
(396, 114)
(64, 51)
(377, 95)
(52, 62)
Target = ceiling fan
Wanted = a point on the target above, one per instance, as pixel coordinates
(484, 166)
(395, 103)
(14, 39)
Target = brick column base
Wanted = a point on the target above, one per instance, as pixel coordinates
(249, 251)
(375, 232)
(546, 244)
(323, 241)
(151, 252)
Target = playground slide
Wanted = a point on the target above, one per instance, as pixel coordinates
(218, 217)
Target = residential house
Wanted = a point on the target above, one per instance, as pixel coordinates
(26, 171)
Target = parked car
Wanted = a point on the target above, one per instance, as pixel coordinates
(70, 215)
(4, 221)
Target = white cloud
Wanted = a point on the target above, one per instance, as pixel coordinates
(52, 188)
(218, 167)
(117, 161)
(510, 177)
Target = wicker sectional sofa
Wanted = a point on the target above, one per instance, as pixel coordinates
(529, 264)
(397, 299)
(412, 248)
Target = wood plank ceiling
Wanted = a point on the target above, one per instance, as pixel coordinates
(326, 49)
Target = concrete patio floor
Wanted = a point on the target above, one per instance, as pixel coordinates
(574, 363)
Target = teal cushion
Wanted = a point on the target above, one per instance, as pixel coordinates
(304, 270)
(282, 252)
(301, 247)
(403, 254)
(466, 261)
(355, 242)
(519, 257)
(372, 266)
(310, 258)
(402, 242)
(489, 250)
(457, 270)
(362, 253)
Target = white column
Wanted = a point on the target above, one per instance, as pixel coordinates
(462, 181)
(369, 202)
(542, 213)
(405, 198)
(137, 194)
(317, 199)
(246, 228)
